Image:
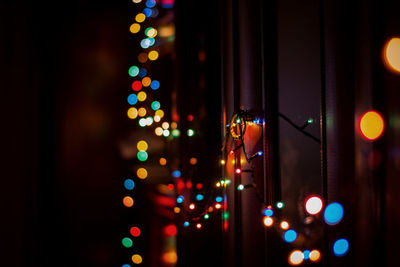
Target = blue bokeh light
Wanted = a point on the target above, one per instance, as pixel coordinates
(186, 224)
(147, 12)
(176, 173)
(340, 247)
(180, 199)
(333, 213)
(219, 199)
(132, 99)
(129, 184)
(199, 197)
(306, 254)
(150, 3)
(290, 236)
(155, 84)
(268, 212)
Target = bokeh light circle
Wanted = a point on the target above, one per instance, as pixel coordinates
(371, 125)
(392, 54)
(313, 205)
(333, 213)
(340, 247)
(296, 257)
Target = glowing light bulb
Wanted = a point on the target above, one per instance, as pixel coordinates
(142, 145)
(159, 131)
(340, 247)
(142, 155)
(132, 113)
(392, 54)
(290, 236)
(141, 96)
(198, 226)
(128, 201)
(371, 125)
(222, 162)
(153, 55)
(142, 112)
(141, 173)
(240, 187)
(146, 81)
(279, 205)
(333, 213)
(140, 17)
(180, 199)
(155, 105)
(313, 205)
(284, 225)
(135, 231)
(238, 171)
(159, 113)
(190, 132)
(192, 206)
(129, 184)
(315, 255)
(132, 99)
(218, 206)
(134, 28)
(137, 259)
(127, 242)
(166, 133)
(296, 257)
(268, 212)
(199, 197)
(268, 221)
(193, 161)
(163, 161)
(165, 125)
(133, 71)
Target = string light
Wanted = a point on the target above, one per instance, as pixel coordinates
(268, 221)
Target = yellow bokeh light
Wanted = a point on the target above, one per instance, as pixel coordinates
(141, 173)
(140, 17)
(222, 162)
(268, 221)
(157, 118)
(137, 259)
(152, 33)
(392, 54)
(296, 257)
(132, 113)
(174, 125)
(371, 125)
(141, 96)
(136, 1)
(177, 210)
(160, 113)
(142, 145)
(163, 161)
(284, 225)
(315, 255)
(135, 28)
(127, 201)
(142, 112)
(165, 125)
(153, 55)
(159, 131)
(146, 81)
(193, 161)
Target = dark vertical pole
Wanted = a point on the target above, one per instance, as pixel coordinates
(272, 183)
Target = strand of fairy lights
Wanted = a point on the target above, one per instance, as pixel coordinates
(333, 212)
